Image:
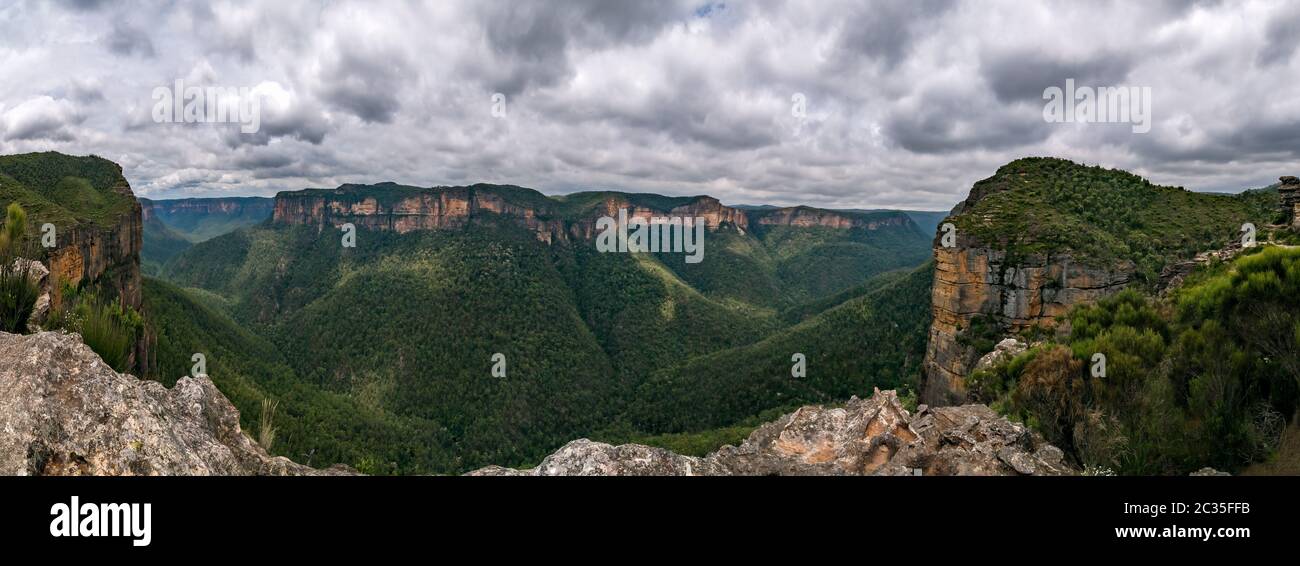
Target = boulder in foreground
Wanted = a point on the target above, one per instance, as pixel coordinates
(63, 411)
(875, 436)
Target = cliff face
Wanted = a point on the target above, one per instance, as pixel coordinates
(803, 216)
(1043, 235)
(875, 436)
(972, 280)
(238, 206)
(714, 213)
(442, 209)
(1290, 192)
(64, 412)
(411, 209)
(105, 255)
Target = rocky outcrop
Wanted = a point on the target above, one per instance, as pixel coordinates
(1004, 352)
(39, 276)
(972, 280)
(108, 255)
(875, 436)
(64, 412)
(1172, 276)
(104, 253)
(1289, 189)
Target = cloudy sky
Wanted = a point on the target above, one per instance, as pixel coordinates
(905, 103)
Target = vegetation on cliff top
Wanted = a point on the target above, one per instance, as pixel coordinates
(65, 190)
(18, 294)
(1103, 216)
(1205, 377)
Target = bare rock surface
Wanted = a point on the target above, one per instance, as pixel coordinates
(875, 436)
(1005, 351)
(63, 411)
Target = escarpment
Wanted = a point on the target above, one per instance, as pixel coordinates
(979, 284)
(1044, 235)
(232, 206)
(108, 255)
(403, 209)
(807, 217)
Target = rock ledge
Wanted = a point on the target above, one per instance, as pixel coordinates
(875, 436)
(63, 411)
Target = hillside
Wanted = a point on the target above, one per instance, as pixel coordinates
(95, 260)
(1208, 375)
(768, 258)
(512, 272)
(875, 340)
(1102, 216)
(1042, 235)
(66, 191)
(314, 425)
(172, 226)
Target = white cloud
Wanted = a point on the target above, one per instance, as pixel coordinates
(41, 118)
(909, 102)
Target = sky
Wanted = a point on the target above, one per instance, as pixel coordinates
(830, 103)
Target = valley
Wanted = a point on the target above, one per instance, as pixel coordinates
(401, 328)
(379, 356)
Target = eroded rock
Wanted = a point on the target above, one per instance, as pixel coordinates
(1005, 351)
(875, 436)
(63, 411)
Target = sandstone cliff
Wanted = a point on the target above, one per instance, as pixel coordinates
(1290, 193)
(875, 436)
(104, 254)
(803, 216)
(99, 231)
(974, 280)
(64, 412)
(403, 209)
(234, 206)
(1043, 235)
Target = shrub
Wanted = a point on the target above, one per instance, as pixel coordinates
(1051, 391)
(109, 329)
(18, 293)
(266, 427)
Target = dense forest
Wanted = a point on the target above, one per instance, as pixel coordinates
(408, 325)
(65, 190)
(1104, 216)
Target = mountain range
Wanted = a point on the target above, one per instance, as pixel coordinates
(400, 329)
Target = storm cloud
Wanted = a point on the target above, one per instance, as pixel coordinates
(836, 103)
